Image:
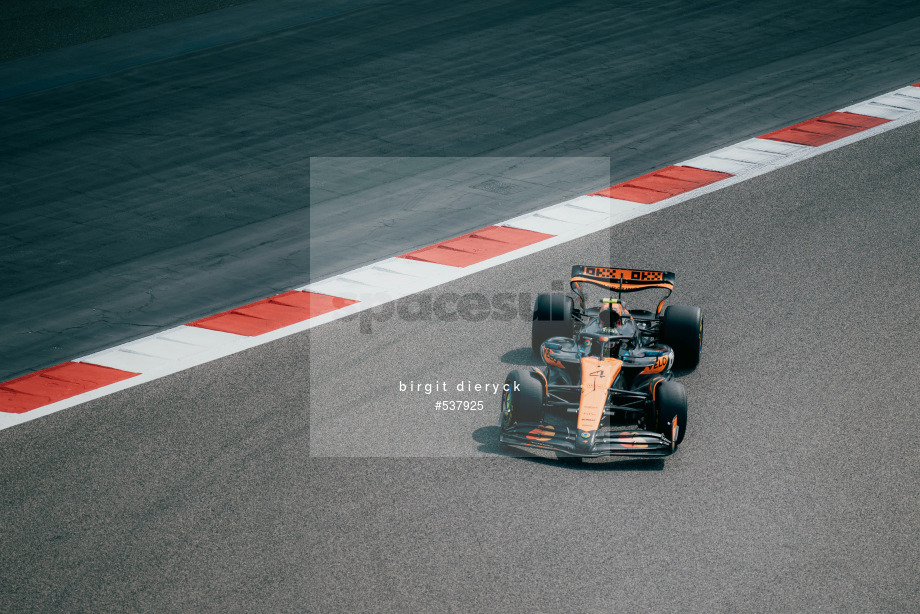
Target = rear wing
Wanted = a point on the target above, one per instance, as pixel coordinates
(621, 280)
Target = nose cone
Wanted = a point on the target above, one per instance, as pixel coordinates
(584, 440)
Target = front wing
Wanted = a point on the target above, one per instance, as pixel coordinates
(565, 440)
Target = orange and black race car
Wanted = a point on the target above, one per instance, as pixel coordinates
(607, 387)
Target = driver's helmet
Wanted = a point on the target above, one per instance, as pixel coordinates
(610, 314)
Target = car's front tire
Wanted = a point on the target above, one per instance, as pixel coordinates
(671, 406)
(522, 401)
(681, 328)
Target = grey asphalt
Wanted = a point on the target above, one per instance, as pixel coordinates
(31, 28)
(795, 490)
(172, 179)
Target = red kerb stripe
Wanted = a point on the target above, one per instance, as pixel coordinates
(273, 313)
(54, 384)
(477, 246)
(661, 184)
(825, 129)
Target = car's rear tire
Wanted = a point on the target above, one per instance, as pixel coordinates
(681, 328)
(552, 317)
(671, 404)
(523, 399)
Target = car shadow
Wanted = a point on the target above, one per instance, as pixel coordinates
(521, 356)
(487, 438)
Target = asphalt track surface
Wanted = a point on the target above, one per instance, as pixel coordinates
(30, 27)
(180, 185)
(795, 490)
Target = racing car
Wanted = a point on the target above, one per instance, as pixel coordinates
(607, 386)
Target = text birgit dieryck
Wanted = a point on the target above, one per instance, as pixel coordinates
(463, 386)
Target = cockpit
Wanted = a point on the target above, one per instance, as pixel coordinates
(612, 333)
